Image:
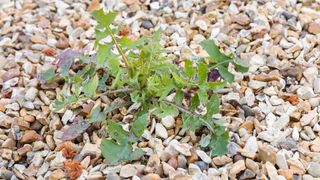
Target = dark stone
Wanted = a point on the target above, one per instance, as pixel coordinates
(202, 165)
(147, 24)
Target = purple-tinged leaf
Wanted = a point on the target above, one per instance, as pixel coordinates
(43, 77)
(77, 127)
(213, 75)
(66, 59)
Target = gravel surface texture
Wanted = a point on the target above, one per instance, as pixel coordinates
(272, 111)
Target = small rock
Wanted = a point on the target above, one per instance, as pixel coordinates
(29, 136)
(310, 74)
(203, 156)
(281, 161)
(193, 169)
(314, 28)
(251, 145)
(5, 121)
(147, 24)
(11, 73)
(257, 84)
(213, 172)
(221, 160)
(91, 150)
(68, 115)
(151, 177)
(161, 131)
(253, 166)
(247, 174)
(265, 154)
(237, 168)
(201, 24)
(168, 122)
(271, 170)
(313, 169)
(241, 19)
(113, 176)
(316, 85)
(305, 93)
(128, 170)
(57, 162)
(31, 94)
(57, 174)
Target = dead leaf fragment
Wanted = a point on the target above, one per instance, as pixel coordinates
(67, 149)
(73, 168)
(49, 51)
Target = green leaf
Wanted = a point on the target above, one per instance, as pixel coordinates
(213, 105)
(219, 141)
(226, 74)
(104, 19)
(202, 72)
(103, 52)
(117, 132)
(203, 95)
(240, 65)
(97, 116)
(165, 110)
(190, 71)
(194, 102)
(141, 123)
(190, 122)
(89, 88)
(46, 75)
(117, 153)
(213, 50)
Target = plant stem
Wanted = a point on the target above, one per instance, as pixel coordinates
(185, 110)
(125, 90)
(124, 57)
(220, 63)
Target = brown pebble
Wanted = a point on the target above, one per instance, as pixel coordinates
(173, 162)
(29, 136)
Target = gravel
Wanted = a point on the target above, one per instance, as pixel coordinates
(272, 111)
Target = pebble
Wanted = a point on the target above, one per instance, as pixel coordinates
(168, 122)
(313, 169)
(147, 24)
(91, 150)
(68, 115)
(247, 174)
(237, 168)
(281, 161)
(316, 85)
(251, 145)
(161, 131)
(203, 156)
(201, 24)
(305, 93)
(128, 170)
(314, 28)
(271, 170)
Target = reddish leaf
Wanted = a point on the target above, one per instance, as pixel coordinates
(213, 75)
(49, 51)
(73, 168)
(76, 128)
(67, 150)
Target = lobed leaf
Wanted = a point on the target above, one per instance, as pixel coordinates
(75, 129)
(90, 88)
(46, 75)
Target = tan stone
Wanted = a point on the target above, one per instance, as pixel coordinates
(29, 136)
(151, 177)
(248, 125)
(57, 174)
(314, 28)
(221, 160)
(253, 166)
(236, 168)
(265, 153)
(287, 173)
